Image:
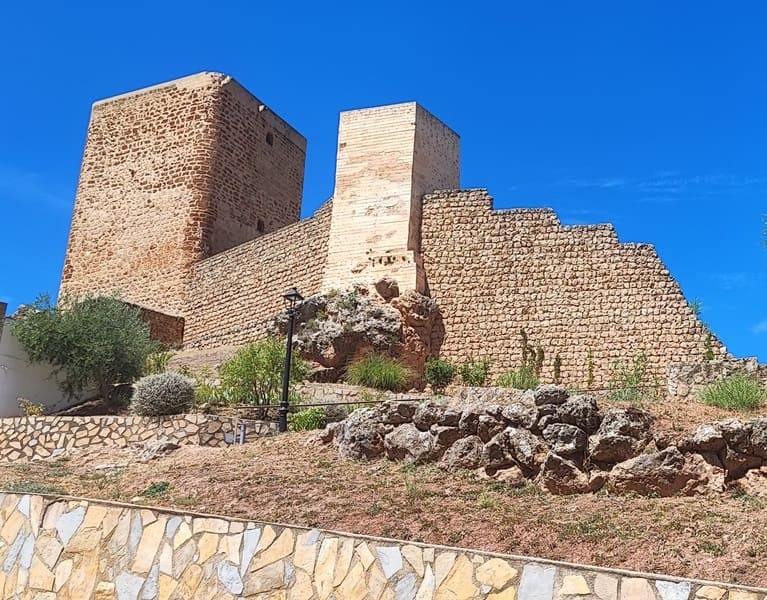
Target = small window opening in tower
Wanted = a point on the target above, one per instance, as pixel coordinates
(270, 138)
(260, 226)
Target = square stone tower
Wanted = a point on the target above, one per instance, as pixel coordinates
(388, 158)
(171, 175)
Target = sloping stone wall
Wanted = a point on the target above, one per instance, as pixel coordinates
(577, 291)
(66, 549)
(30, 437)
(235, 294)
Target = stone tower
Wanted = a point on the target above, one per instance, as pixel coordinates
(388, 158)
(171, 175)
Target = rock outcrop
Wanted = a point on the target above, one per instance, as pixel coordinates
(565, 444)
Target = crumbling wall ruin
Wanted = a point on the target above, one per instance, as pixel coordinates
(576, 291)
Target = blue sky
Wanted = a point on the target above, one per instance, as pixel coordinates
(650, 115)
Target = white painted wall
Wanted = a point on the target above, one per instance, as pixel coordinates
(20, 379)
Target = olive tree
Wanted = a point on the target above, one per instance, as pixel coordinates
(92, 342)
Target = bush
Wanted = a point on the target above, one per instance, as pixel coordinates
(157, 362)
(95, 342)
(162, 394)
(439, 374)
(523, 379)
(736, 392)
(380, 372)
(627, 379)
(305, 420)
(254, 374)
(474, 372)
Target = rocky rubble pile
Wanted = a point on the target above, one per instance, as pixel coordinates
(564, 443)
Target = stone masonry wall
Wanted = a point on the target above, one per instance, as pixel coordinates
(574, 290)
(41, 437)
(687, 379)
(171, 175)
(77, 549)
(235, 294)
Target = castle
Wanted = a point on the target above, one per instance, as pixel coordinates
(188, 205)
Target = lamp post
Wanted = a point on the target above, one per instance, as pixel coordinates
(292, 297)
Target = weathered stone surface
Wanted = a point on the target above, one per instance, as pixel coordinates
(581, 411)
(496, 573)
(561, 476)
(565, 440)
(673, 591)
(635, 588)
(427, 414)
(664, 473)
(537, 582)
(407, 442)
(708, 438)
(574, 585)
(362, 436)
(466, 453)
(550, 394)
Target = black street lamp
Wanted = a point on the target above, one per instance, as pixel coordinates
(293, 298)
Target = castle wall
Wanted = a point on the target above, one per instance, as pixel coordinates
(573, 290)
(388, 157)
(235, 294)
(171, 175)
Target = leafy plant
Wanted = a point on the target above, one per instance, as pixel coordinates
(30, 409)
(522, 379)
(474, 372)
(439, 374)
(380, 372)
(589, 369)
(708, 355)
(93, 342)
(156, 490)
(557, 369)
(736, 392)
(305, 420)
(162, 394)
(157, 362)
(628, 378)
(254, 374)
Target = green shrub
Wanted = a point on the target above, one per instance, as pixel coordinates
(439, 374)
(91, 343)
(523, 379)
(157, 362)
(736, 392)
(627, 379)
(162, 394)
(474, 372)
(157, 490)
(380, 372)
(254, 374)
(304, 420)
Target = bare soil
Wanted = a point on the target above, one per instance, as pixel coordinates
(294, 479)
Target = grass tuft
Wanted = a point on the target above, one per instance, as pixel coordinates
(736, 392)
(380, 372)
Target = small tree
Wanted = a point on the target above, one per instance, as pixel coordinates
(254, 374)
(93, 342)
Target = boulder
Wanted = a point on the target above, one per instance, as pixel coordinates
(488, 427)
(631, 422)
(450, 418)
(469, 421)
(737, 464)
(623, 434)
(513, 476)
(332, 432)
(396, 413)
(581, 411)
(387, 288)
(443, 437)
(758, 439)
(736, 434)
(754, 483)
(465, 453)
(158, 448)
(519, 414)
(565, 440)
(514, 446)
(550, 394)
(707, 438)
(362, 435)
(427, 414)
(561, 476)
(665, 473)
(610, 449)
(407, 442)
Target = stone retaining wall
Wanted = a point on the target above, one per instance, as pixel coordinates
(30, 437)
(65, 548)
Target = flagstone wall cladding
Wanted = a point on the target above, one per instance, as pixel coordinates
(573, 289)
(237, 293)
(173, 174)
(41, 437)
(76, 549)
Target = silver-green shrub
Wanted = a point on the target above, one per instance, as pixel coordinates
(162, 394)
